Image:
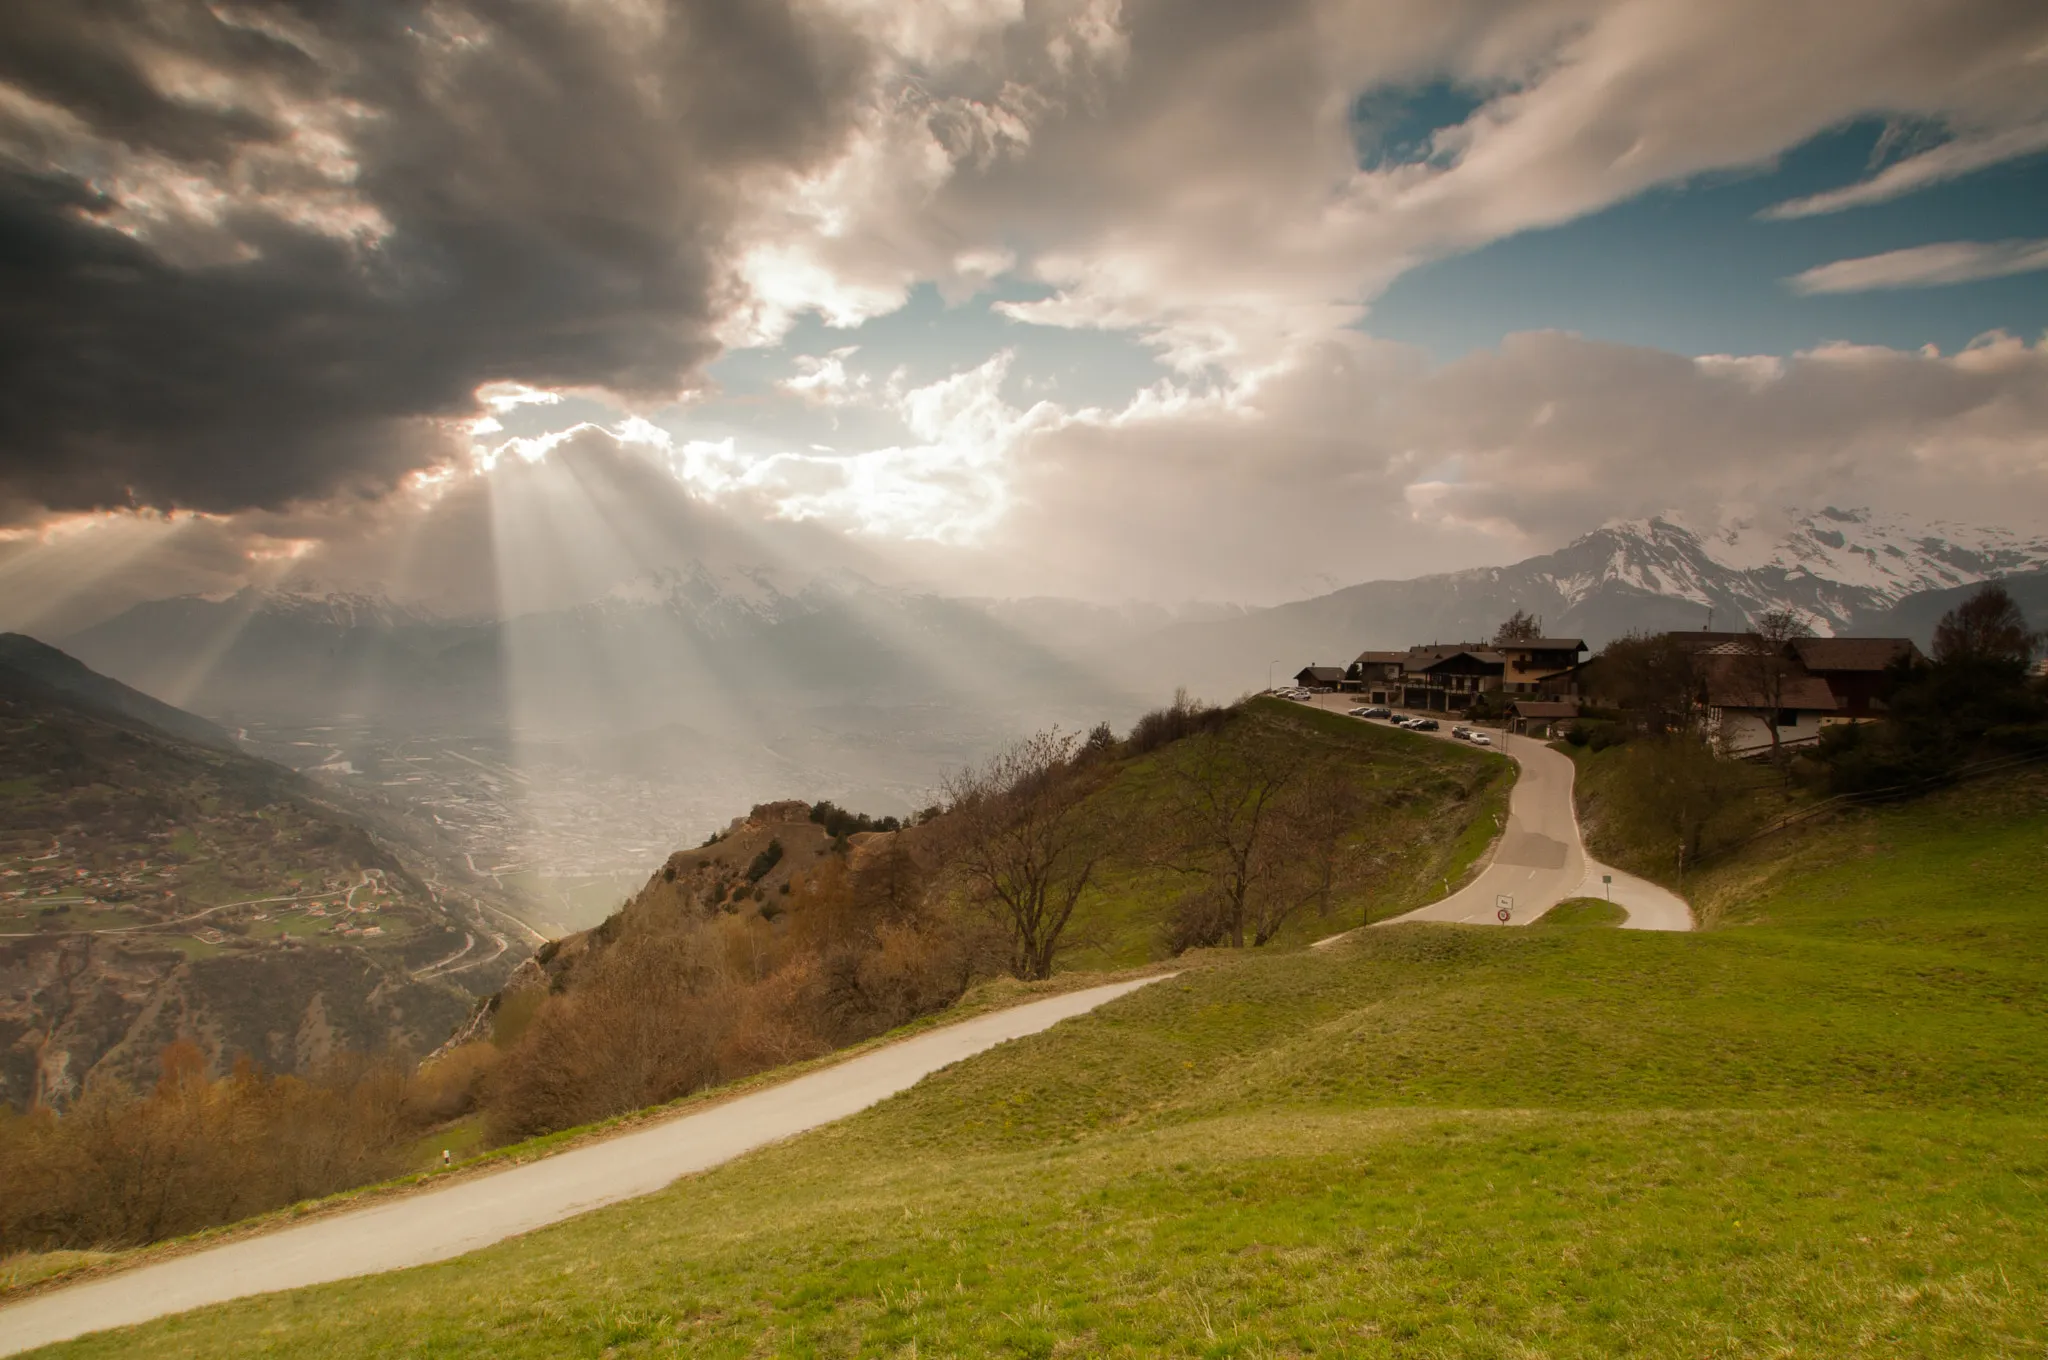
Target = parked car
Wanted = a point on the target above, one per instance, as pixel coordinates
(1375, 711)
(1462, 733)
(1424, 724)
(1481, 739)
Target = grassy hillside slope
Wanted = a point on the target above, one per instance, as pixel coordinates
(1426, 811)
(1816, 1130)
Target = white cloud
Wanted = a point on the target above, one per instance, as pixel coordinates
(1924, 266)
(822, 380)
(1187, 172)
(949, 486)
(1950, 160)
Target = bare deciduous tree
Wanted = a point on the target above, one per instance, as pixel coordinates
(1023, 845)
(1766, 667)
(1259, 832)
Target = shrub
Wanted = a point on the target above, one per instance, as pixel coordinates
(121, 1169)
(839, 823)
(1184, 717)
(765, 861)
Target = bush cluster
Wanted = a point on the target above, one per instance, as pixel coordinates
(675, 1001)
(1596, 735)
(839, 823)
(121, 1168)
(1184, 717)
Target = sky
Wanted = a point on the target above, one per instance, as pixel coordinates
(1163, 300)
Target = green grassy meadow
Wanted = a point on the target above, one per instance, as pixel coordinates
(1816, 1129)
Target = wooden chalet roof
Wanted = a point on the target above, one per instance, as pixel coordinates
(1424, 659)
(1731, 682)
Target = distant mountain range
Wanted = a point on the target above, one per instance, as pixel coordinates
(698, 646)
(1841, 571)
(776, 676)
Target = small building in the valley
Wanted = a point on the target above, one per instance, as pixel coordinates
(1544, 717)
(1853, 668)
(1534, 660)
(1377, 676)
(1319, 677)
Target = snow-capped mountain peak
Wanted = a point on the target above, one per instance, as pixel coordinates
(1828, 565)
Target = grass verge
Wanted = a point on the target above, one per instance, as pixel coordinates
(1583, 911)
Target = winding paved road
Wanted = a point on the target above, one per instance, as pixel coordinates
(1540, 859)
(437, 1224)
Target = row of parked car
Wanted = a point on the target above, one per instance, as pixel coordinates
(1471, 734)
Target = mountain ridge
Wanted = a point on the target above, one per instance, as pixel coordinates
(1654, 574)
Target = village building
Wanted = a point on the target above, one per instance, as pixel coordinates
(1744, 684)
(1854, 670)
(1544, 717)
(1319, 677)
(1446, 679)
(1534, 660)
(1377, 676)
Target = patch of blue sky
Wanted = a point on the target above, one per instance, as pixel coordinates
(923, 341)
(1396, 125)
(928, 339)
(1694, 269)
(920, 343)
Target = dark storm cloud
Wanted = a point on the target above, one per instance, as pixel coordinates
(241, 258)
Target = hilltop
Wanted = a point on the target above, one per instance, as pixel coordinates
(802, 928)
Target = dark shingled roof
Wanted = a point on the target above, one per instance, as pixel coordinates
(1380, 658)
(1731, 683)
(1321, 674)
(1421, 659)
(1546, 645)
(1852, 653)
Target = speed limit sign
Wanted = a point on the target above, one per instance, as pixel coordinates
(1504, 906)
